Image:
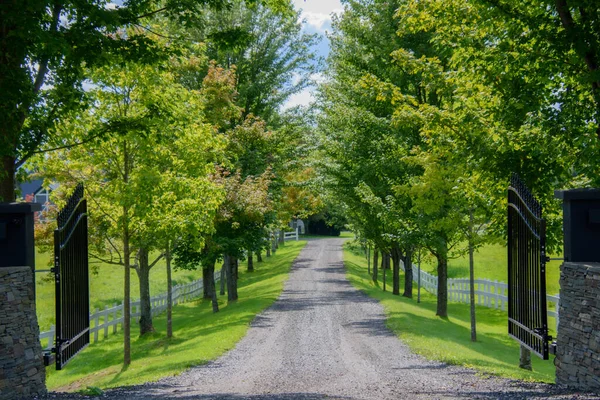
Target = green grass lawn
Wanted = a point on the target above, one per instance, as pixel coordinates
(106, 286)
(199, 335)
(490, 262)
(448, 340)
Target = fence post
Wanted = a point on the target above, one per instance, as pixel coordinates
(105, 321)
(297, 231)
(97, 322)
(115, 321)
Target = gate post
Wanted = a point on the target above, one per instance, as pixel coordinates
(578, 337)
(22, 373)
(16, 234)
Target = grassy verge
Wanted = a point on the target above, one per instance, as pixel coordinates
(448, 340)
(199, 335)
(106, 287)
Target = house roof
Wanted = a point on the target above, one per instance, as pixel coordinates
(30, 187)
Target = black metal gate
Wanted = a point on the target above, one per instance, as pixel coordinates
(527, 317)
(71, 277)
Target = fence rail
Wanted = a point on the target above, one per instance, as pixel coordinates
(291, 235)
(107, 320)
(492, 294)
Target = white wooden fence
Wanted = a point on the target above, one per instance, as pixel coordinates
(492, 294)
(103, 321)
(291, 235)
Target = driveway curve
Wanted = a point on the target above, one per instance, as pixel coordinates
(324, 339)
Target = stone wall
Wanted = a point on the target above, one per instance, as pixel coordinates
(22, 373)
(578, 338)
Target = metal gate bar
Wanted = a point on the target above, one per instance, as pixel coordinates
(527, 318)
(71, 279)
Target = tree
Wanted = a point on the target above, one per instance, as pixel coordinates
(271, 56)
(147, 182)
(366, 143)
(48, 48)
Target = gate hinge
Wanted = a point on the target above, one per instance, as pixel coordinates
(49, 358)
(553, 348)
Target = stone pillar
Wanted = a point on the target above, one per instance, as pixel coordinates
(22, 373)
(578, 339)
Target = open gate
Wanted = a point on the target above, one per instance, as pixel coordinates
(71, 278)
(527, 318)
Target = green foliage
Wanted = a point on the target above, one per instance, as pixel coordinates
(271, 55)
(48, 49)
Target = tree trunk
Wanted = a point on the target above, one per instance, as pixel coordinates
(231, 281)
(143, 272)
(236, 269)
(282, 237)
(169, 293)
(273, 243)
(408, 274)
(259, 256)
(369, 260)
(7, 180)
(215, 301)
(206, 289)
(396, 255)
(472, 290)
(223, 279)
(385, 262)
(127, 267)
(250, 262)
(419, 277)
(442, 287)
(126, 290)
(525, 358)
(208, 279)
(375, 263)
(268, 250)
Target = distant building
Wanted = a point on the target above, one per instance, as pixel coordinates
(298, 223)
(35, 192)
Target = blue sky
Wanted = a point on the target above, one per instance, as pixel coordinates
(317, 17)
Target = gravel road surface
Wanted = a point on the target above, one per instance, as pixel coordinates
(324, 339)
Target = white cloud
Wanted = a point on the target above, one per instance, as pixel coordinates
(318, 20)
(317, 13)
(319, 6)
(303, 98)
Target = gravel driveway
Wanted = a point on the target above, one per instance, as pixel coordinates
(325, 339)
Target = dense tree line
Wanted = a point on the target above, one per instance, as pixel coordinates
(183, 147)
(429, 107)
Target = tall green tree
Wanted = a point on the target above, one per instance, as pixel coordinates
(149, 181)
(273, 58)
(46, 49)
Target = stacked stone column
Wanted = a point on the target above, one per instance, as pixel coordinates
(578, 341)
(22, 373)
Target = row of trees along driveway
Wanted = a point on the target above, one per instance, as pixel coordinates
(170, 116)
(429, 106)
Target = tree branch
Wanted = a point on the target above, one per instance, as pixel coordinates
(111, 262)
(43, 69)
(151, 13)
(160, 257)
